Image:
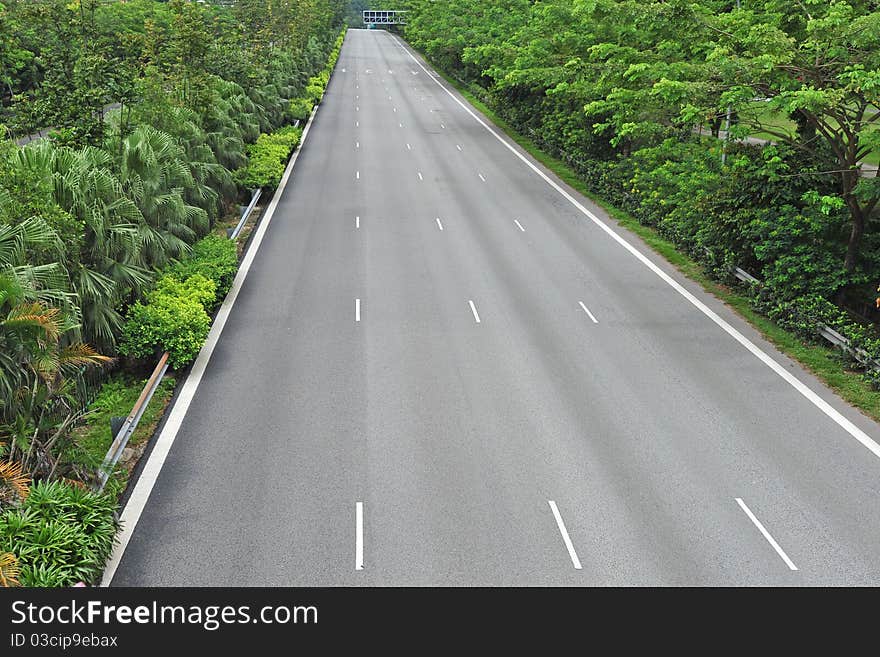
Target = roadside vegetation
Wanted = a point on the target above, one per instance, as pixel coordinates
(163, 117)
(616, 93)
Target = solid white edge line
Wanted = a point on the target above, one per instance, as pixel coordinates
(766, 534)
(565, 537)
(474, 311)
(519, 225)
(357, 222)
(359, 536)
(481, 177)
(756, 351)
(357, 310)
(587, 310)
(439, 224)
(420, 176)
(146, 481)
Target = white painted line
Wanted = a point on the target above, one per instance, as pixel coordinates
(420, 176)
(153, 466)
(565, 537)
(587, 310)
(357, 109)
(357, 310)
(443, 126)
(408, 147)
(481, 177)
(359, 536)
(395, 109)
(474, 311)
(357, 124)
(357, 222)
(458, 147)
(357, 175)
(400, 124)
(439, 225)
(389, 97)
(756, 351)
(770, 539)
(519, 225)
(357, 144)
(343, 70)
(356, 97)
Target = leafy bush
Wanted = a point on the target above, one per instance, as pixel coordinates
(215, 258)
(300, 109)
(268, 157)
(173, 319)
(62, 534)
(314, 90)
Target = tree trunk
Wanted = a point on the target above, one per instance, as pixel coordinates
(855, 235)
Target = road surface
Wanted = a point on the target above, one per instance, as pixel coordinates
(440, 371)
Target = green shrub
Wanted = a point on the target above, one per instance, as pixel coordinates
(213, 257)
(314, 91)
(267, 158)
(173, 319)
(197, 287)
(300, 109)
(61, 535)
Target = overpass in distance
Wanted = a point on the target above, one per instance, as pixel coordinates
(445, 367)
(384, 17)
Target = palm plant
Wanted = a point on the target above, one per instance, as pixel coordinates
(37, 367)
(108, 266)
(155, 175)
(9, 570)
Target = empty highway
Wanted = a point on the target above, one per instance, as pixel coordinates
(444, 367)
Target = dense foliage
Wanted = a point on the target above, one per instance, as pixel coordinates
(61, 534)
(636, 97)
(158, 114)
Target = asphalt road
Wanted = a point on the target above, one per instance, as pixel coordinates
(535, 446)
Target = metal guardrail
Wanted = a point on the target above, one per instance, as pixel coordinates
(127, 429)
(255, 196)
(745, 276)
(826, 332)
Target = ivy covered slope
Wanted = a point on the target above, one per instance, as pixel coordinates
(637, 98)
(161, 117)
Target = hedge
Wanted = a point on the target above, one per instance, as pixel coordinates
(215, 258)
(268, 157)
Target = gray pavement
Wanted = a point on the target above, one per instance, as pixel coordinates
(643, 428)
